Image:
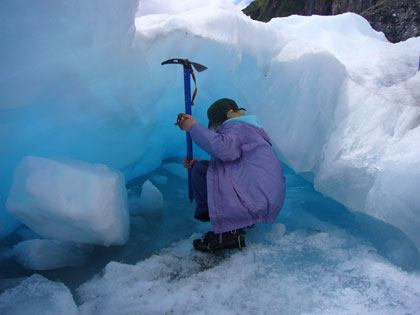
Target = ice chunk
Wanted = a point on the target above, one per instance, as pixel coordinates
(71, 200)
(50, 254)
(38, 295)
(149, 205)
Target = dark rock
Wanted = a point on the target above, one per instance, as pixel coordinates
(253, 10)
(265, 10)
(397, 19)
(318, 7)
(356, 6)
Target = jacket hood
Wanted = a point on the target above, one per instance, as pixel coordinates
(249, 119)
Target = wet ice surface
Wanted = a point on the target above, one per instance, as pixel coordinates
(317, 258)
(303, 272)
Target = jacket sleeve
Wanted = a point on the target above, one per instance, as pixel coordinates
(225, 145)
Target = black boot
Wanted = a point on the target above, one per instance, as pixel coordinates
(211, 242)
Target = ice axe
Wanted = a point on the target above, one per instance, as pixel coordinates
(188, 72)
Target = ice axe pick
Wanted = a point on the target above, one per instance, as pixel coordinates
(188, 72)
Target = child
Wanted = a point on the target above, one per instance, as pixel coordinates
(243, 182)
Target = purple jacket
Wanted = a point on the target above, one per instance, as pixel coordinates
(245, 182)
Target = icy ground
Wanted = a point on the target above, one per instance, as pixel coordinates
(317, 259)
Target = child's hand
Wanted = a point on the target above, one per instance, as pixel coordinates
(185, 121)
(189, 164)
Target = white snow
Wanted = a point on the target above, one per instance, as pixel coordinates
(50, 254)
(38, 295)
(71, 200)
(304, 272)
(150, 203)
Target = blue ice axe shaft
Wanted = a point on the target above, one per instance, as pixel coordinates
(188, 110)
(187, 93)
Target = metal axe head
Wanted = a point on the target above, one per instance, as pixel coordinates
(185, 63)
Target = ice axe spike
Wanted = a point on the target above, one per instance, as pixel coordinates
(188, 72)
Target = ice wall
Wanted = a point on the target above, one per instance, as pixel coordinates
(63, 71)
(371, 161)
(339, 102)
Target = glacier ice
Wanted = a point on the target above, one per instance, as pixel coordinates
(150, 203)
(339, 102)
(38, 295)
(50, 254)
(71, 200)
(160, 179)
(26, 233)
(335, 97)
(176, 169)
(147, 7)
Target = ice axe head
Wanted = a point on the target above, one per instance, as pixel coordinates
(187, 69)
(186, 63)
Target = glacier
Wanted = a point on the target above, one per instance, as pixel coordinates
(83, 81)
(339, 102)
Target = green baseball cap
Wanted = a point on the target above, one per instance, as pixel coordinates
(217, 111)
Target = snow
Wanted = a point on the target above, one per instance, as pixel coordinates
(150, 203)
(37, 295)
(71, 200)
(50, 254)
(304, 272)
